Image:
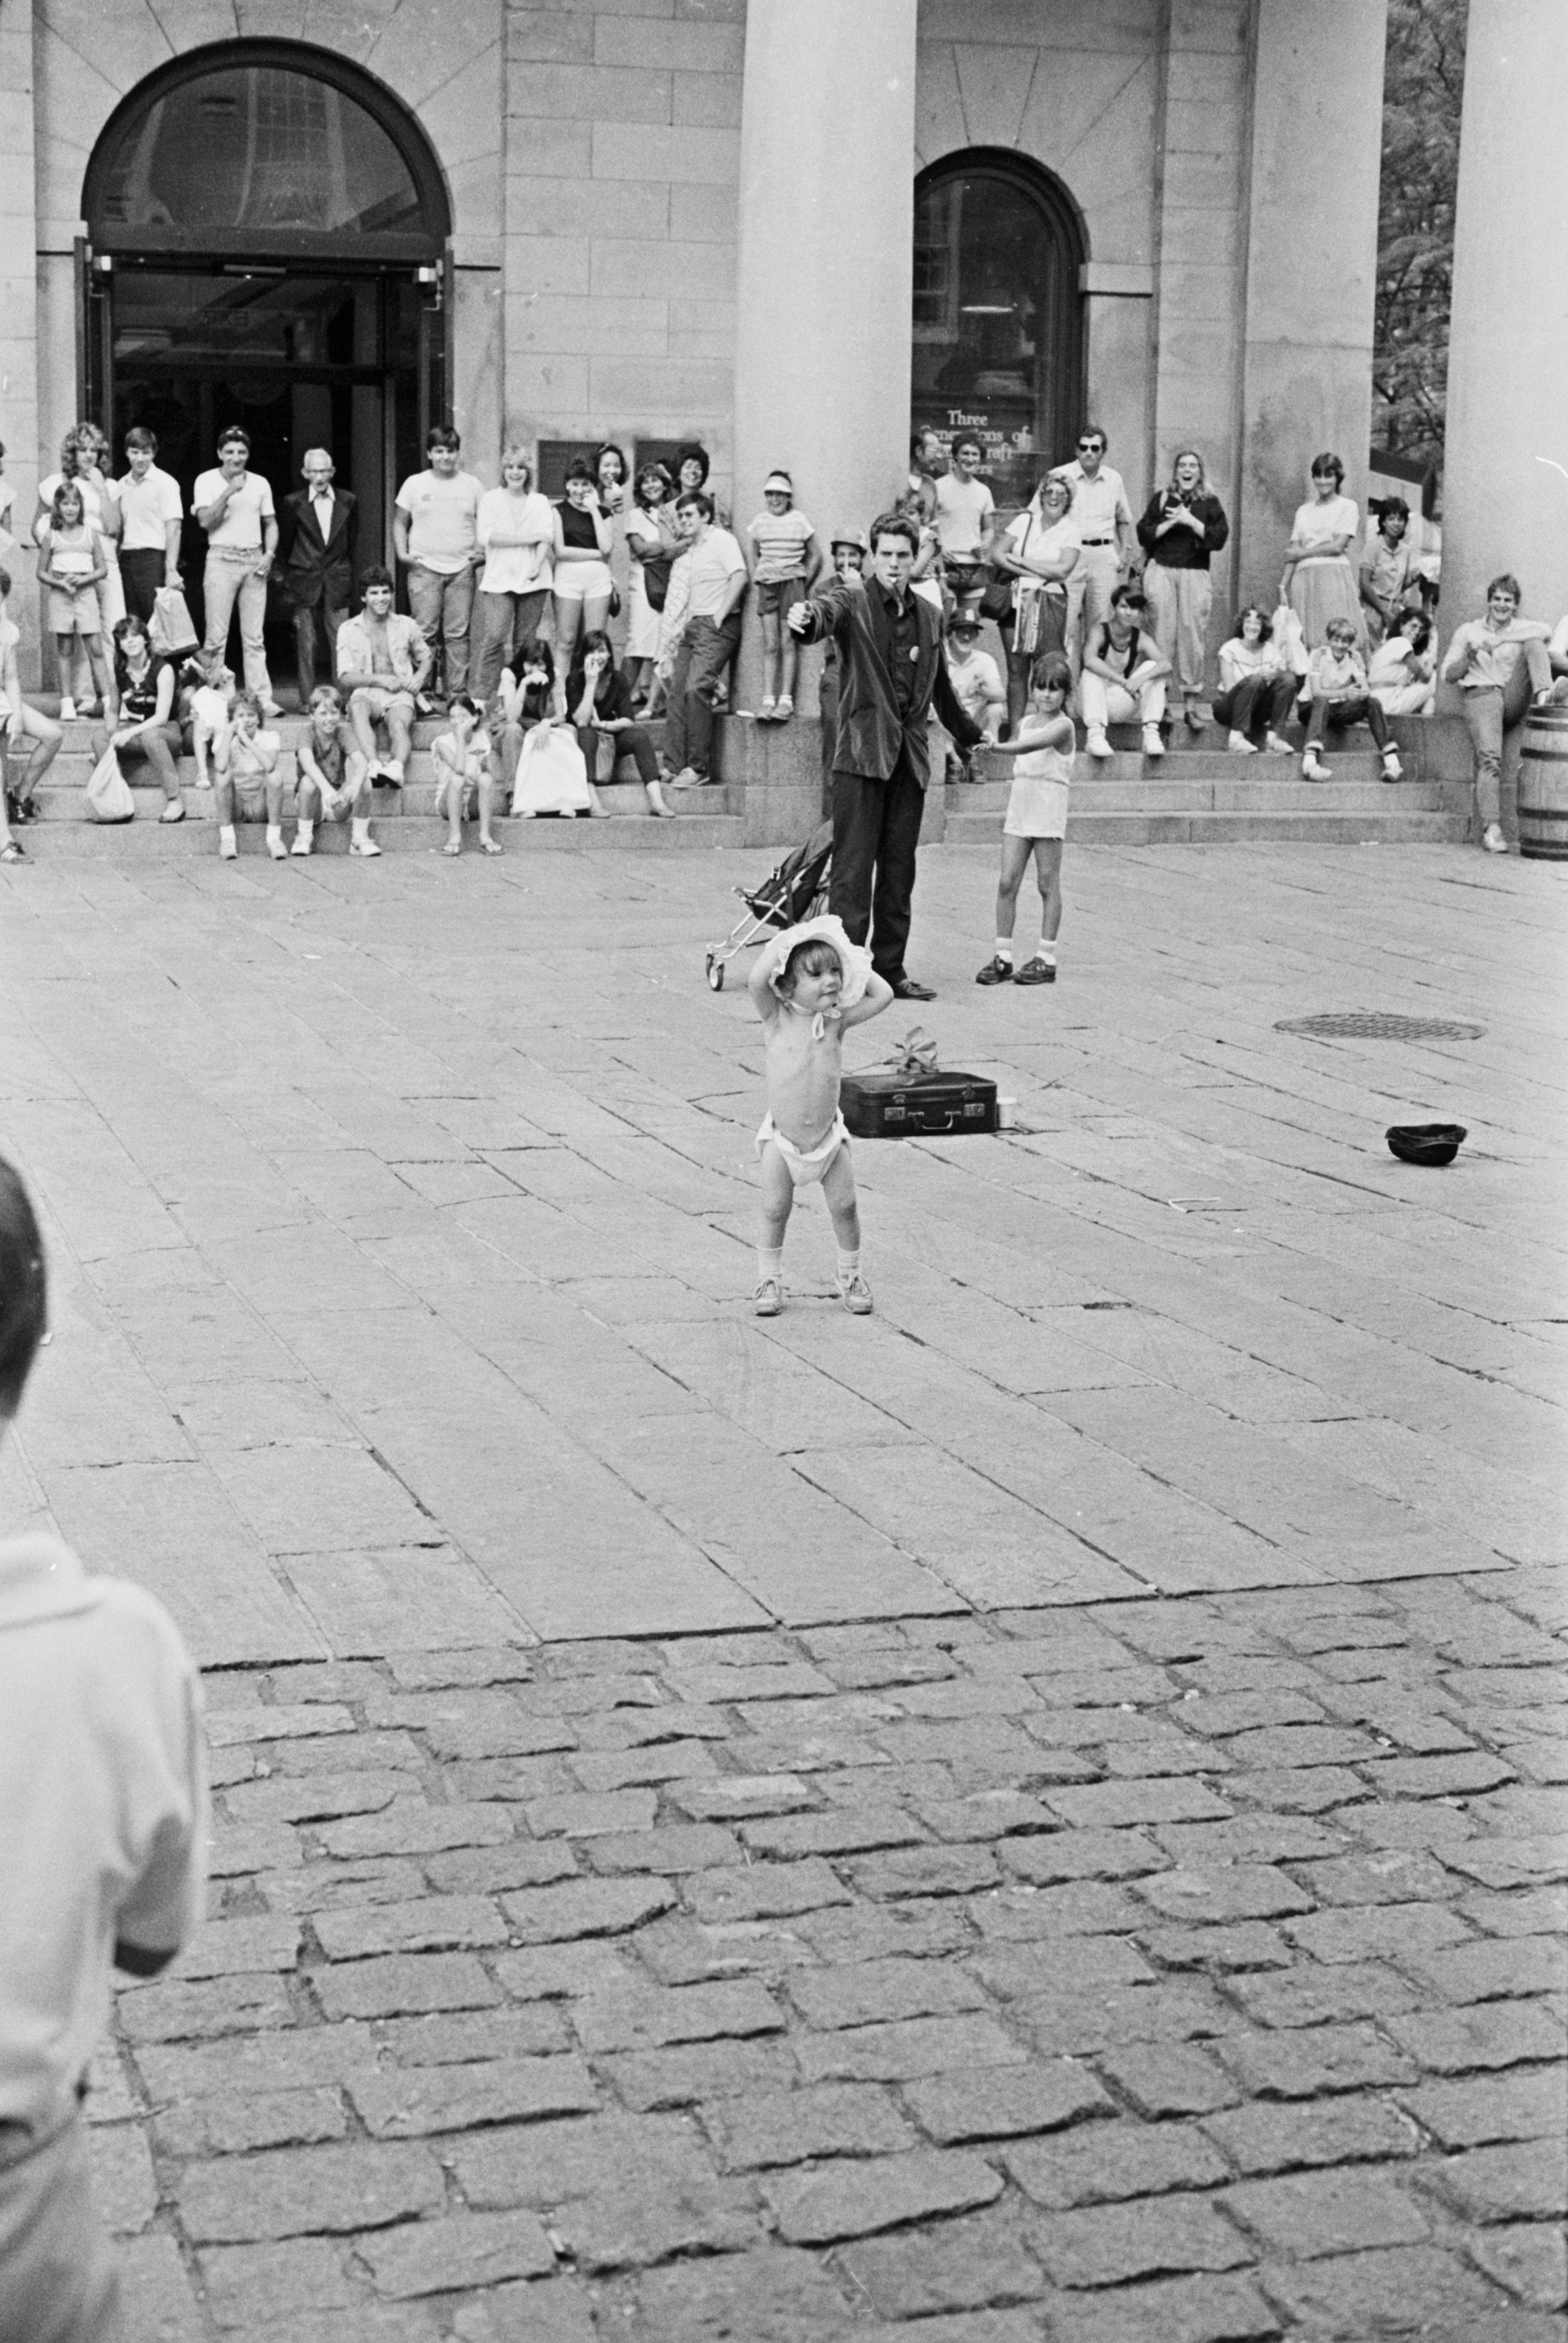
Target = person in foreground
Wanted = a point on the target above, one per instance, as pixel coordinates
(1036, 821)
(807, 986)
(103, 1834)
(891, 673)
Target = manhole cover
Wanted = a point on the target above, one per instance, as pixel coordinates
(1379, 1025)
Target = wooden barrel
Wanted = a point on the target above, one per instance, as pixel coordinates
(1544, 786)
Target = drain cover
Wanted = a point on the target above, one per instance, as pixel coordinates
(1379, 1025)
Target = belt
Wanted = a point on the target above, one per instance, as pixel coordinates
(1097, 540)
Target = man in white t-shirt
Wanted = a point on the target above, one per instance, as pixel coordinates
(700, 636)
(103, 1828)
(151, 513)
(1106, 530)
(436, 529)
(966, 521)
(235, 507)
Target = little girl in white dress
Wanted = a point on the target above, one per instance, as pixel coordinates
(1036, 820)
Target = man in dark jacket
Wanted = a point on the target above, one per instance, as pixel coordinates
(315, 563)
(891, 672)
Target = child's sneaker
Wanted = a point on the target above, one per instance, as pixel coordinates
(1096, 744)
(1153, 741)
(856, 1296)
(768, 1298)
(67, 711)
(1393, 771)
(1238, 745)
(1312, 768)
(1276, 747)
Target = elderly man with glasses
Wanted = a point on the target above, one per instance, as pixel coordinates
(1105, 524)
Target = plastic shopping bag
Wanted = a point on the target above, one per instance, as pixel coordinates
(171, 630)
(109, 795)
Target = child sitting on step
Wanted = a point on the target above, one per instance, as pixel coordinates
(807, 986)
(462, 761)
(204, 705)
(1340, 698)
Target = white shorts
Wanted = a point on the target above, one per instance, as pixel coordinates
(805, 1165)
(582, 581)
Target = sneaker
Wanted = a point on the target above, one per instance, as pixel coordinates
(67, 711)
(1154, 741)
(1277, 747)
(768, 1298)
(13, 851)
(786, 706)
(1239, 746)
(688, 777)
(1037, 972)
(364, 848)
(302, 845)
(1493, 840)
(768, 709)
(173, 811)
(1096, 744)
(996, 971)
(392, 773)
(1393, 771)
(1312, 770)
(228, 850)
(855, 1297)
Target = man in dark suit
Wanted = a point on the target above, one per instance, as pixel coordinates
(315, 563)
(891, 672)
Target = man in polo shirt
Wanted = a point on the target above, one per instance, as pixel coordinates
(436, 529)
(1103, 518)
(700, 636)
(103, 1827)
(151, 513)
(235, 507)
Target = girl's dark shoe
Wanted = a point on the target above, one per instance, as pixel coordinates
(1037, 972)
(996, 972)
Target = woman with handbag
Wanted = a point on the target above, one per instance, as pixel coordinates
(1040, 550)
(653, 542)
(146, 726)
(583, 586)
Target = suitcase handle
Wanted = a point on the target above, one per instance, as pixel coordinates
(947, 1124)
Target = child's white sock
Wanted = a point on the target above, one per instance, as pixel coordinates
(305, 832)
(275, 833)
(769, 1264)
(227, 844)
(361, 829)
(1048, 952)
(1004, 949)
(849, 1267)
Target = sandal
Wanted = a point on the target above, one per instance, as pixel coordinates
(1037, 972)
(488, 846)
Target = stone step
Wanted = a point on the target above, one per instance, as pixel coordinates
(61, 799)
(1281, 793)
(1324, 827)
(150, 838)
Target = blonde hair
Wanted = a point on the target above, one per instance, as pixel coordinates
(1182, 455)
(516, 454)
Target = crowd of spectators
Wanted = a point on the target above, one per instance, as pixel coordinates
(517, 603)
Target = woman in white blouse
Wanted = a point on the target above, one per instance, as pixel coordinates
(655, 546)
(84, 453)
(517, 531)
(1320, 582)
(1041, 547)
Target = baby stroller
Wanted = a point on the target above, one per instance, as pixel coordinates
(795, 891)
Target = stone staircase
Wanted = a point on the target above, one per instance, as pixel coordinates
(770, 794)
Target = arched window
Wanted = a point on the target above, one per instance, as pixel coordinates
(265, 147)
(998, 316)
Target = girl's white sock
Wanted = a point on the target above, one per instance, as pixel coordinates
(848, 1266)
(1004, 949)
(769, 1264)
(1048, 952)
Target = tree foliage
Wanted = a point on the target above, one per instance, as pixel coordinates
(1423, 94)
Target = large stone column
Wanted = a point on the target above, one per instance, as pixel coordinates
(1311, 265)
(19, 317)
(826, 258)
(1506, 496)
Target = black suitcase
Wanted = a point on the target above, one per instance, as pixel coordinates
(886, 1104)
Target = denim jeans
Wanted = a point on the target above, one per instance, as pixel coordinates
(443, 607)
(505, 622)
(225, 583)
(1490, 715)
(701, 663)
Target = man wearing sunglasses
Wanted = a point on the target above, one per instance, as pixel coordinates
(1104, 519)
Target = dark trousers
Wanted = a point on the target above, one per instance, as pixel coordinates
(141, 575)
(634, 742)
(1259, 704)
(1338, 715)
(701, 665)
(827, 707)
(304, 625)
(876, 832)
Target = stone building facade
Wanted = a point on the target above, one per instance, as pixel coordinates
(649, 220)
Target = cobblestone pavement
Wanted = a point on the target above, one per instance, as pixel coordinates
(1037, 1815)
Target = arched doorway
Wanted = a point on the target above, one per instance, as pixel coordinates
(267, 246)
(998, 317)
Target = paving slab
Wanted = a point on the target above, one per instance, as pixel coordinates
(1033, 1815)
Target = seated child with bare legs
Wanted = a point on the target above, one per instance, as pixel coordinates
(462, 761)
(250, 787)
(334, 775)
(206, 705)
(1036, 820)
(807, 986)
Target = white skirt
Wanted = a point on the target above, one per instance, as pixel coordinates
(642, 633)
(552, 774)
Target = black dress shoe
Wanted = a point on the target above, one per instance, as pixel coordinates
(909, 989)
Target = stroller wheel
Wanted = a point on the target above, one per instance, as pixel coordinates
(715, 974)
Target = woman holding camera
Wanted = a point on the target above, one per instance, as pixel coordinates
(1183, 528)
